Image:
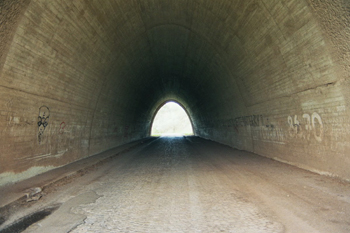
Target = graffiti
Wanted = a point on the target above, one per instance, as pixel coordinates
(269, 133)
(62, 126)
(273, 129)
(9, 106)
(313, 126)
(253, 120)
(43, 121)
(266, 131)
(9, 114)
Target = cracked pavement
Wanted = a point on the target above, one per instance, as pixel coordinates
(190, 184)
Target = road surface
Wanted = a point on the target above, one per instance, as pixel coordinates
(189, 184)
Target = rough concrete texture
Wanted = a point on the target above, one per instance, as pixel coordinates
(11, 195)
(192, 185)
(267, 76)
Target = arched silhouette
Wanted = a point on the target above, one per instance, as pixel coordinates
(171, 120)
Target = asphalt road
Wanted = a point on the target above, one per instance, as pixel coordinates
(194, 185)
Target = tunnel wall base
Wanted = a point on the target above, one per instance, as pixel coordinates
(313, 136)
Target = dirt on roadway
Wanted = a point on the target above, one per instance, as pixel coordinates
(189, 184)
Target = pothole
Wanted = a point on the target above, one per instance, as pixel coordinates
(23, 223)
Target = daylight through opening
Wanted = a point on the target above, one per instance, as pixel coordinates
(171, 120)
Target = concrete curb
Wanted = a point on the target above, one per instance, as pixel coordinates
(15, 196)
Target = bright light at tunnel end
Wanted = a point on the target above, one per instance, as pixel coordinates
(171, 120)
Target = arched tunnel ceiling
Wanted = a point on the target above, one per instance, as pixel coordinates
(238, 66)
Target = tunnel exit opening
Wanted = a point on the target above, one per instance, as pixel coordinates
(171, 120)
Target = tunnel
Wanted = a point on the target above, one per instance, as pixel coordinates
(78, 78)
(265, 84)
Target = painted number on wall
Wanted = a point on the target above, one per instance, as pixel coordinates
(306, 126)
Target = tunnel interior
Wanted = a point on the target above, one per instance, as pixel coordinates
(80, 77)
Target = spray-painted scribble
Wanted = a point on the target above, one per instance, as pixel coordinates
(253, 120)
(43, 121)
(62, 126)
(269, 133)
(313, 126)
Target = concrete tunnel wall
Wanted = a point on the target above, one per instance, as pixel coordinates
(267, 76)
